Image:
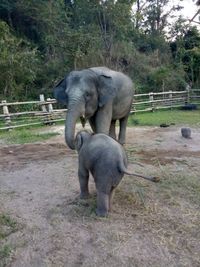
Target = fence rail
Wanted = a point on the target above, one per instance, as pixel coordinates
(12, 115)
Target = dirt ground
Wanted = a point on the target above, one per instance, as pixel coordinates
(150, 225)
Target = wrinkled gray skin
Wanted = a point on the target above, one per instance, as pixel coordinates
(98, 94)
(106, 160)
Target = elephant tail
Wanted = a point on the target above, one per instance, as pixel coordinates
(152, 179)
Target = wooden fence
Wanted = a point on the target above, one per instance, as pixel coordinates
(12, 115)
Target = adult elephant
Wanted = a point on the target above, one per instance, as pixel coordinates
(98, 94)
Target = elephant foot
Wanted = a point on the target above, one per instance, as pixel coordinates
(102, 204)
(121, 141)
(84, 195)
(101, 213)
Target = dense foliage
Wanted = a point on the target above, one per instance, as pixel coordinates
(40, 41)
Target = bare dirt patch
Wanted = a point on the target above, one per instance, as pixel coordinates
(150, 225)
(16, 156)
(164, 157)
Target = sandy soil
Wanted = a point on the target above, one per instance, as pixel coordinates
(147, 227)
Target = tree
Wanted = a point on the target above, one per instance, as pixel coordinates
(42, 40)
(101, 26)
(186, 51)
(153, 16)
(18, 64)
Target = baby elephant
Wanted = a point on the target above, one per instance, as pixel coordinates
(105, 158)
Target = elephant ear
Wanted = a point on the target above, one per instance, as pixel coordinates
(78, 141)
(82, 137)
(106, 90)
(59, 92)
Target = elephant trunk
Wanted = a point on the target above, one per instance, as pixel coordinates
(70, 123)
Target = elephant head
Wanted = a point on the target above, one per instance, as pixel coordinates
(83, 92)
(81, 138)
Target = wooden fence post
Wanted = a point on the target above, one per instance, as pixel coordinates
(6, 113)
(170, 97)
(151, 101)
(50, 111)
(50, 106)
(188, 94)
(43, 105)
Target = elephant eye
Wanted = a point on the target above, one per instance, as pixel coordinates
(87, 95)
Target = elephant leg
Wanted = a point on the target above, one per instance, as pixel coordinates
(102, 204)
(112, 132)
(83, 175)
(111, 197)
(103, 119)
(122, 130)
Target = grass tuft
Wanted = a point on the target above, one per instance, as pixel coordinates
(177, 117)
(22, 136)
(7, 225)
(5, 252)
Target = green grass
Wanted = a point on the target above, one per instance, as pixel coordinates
(6, 220)
(22, 136)
(7, 225)
(177, 117)
(5, 252)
